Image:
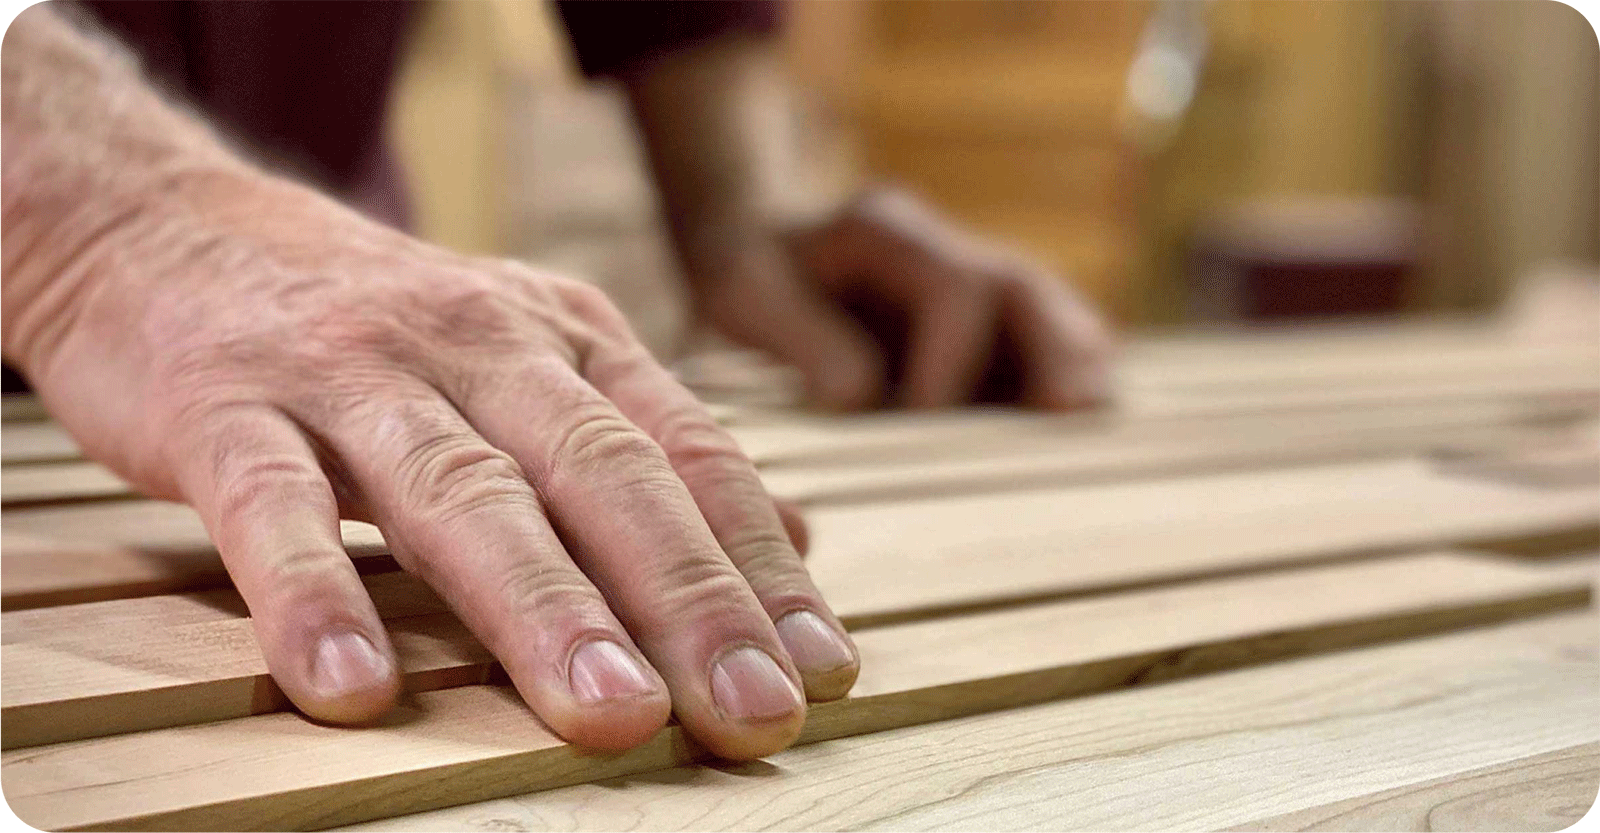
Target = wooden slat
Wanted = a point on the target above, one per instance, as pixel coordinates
(815, 441)
(962, 551)
(36, 442)
(1115, 458)
(474, 742)
(889, 561)
(40, 440)
(60, 483)
(1550, 791)
(1003, 449)
(21, 407)
(1487, 364)
(1198, 754)
(189, 658)
(93, 551)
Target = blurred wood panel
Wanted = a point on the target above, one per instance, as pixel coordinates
(1004, 114)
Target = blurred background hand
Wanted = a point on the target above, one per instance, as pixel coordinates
(886, 303)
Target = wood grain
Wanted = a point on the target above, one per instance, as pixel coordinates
(21, 407)
(1545, 792)
(36, 442)
(1197, 754)
(815, 440)
(40, 440)
(1118, 459)
(93, 551)
(191, 658)
(476, 742)
(1000, 450)
(1054, 541)
(885, 562)
(60, 483)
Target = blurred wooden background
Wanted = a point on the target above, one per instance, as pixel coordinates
(1474, 120)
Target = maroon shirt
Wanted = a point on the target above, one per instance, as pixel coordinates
(306, 82)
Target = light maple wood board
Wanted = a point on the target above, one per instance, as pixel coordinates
(474, 742)
(1118, 459)
(772, 438)
(59, 483)
(36, 442)
(193, 658)
(1485, 363)
(888, 561)
(1350, 340)
(1052, 458)
(93, 551)
(1197, 754)
(814, 441)
(29, 436)
(1061, 540)
(1545, 792)
(21, 407)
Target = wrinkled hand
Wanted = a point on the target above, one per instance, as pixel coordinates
(887, 304)
(277, 361)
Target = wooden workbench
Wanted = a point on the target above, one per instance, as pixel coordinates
(1320, 580)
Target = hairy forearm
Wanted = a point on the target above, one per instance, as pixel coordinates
(91, 153)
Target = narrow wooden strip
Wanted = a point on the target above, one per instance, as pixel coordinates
(473, 743)
(1054, 541)
(1550, 791)
(36, 442)
(104, 668)
(94, 551)
(1118, 459)
(1486, 364)
(21, 407)
(814, 440)
(887, 562)
(1218, 750)
(60, 483)
(880, 457)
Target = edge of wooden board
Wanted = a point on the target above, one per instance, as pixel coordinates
(281, 774)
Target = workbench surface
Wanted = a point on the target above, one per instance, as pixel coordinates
(1327, 580)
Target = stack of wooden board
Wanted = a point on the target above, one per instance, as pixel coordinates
(1249, 501)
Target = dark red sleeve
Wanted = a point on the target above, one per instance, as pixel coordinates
(614, 37)
(304, 81)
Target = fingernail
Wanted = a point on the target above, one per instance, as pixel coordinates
(603, 670)
(346, 662)
(814, 645)
(749, 685)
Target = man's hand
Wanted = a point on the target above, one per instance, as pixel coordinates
(884, 303)
(887, 304)
(242, 343)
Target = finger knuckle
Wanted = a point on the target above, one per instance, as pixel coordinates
(534, 591)
(702, 588)
(453, 475)
(602, 440)
(249, 481)
(300, 573)
(586, 299)
(693, 440)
